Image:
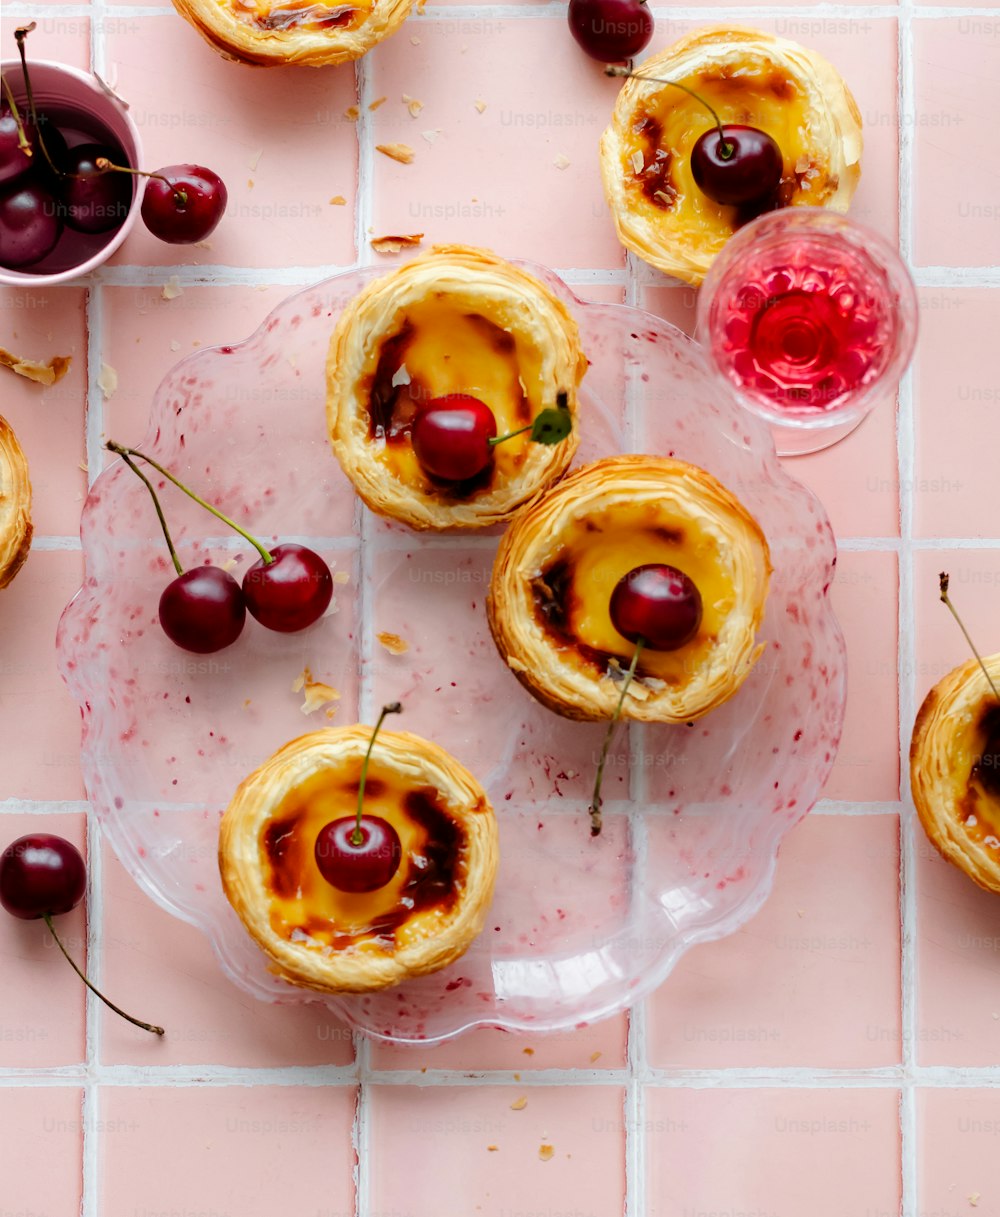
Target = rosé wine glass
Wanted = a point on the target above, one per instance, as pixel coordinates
(809, 320)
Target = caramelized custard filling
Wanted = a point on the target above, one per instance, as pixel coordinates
(419, 898)
(572, 594)
(980, 808)
(666, 127)
(299, 14)
(436, 350)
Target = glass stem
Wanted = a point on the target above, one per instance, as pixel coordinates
(595, 802)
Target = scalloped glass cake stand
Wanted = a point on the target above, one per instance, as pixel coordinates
(580, 927)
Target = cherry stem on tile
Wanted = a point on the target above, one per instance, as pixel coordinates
(136, 1022)
(726, 149)
(156, 503)
(107, 166)
(596, 801)
(125, 453)
(943, 580)
(357, 837)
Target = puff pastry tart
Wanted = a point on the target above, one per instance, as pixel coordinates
(457, 321)
(15, 505)
(749, 78)
(955, 770)
(560, 561)
(304, 32)
(334, 941)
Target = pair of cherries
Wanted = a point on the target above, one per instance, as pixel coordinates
(204, 609)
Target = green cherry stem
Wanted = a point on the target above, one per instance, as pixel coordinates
(943, 585)
(499, 439)
(22, 137)
(726, 149)
(110, 1004)
(159, 510)
(595, 802)
(107, 166)
(393, 708)
(125, 453)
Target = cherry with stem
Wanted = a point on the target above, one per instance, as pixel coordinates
(108, 166)
(21, 37)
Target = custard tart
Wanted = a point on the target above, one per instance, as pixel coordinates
(15, 505)
(456, 323)
(320, 937)
(955, 770)
(308, 33)
(750, 78)
(558, 564)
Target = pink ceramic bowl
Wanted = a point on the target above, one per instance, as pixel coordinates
(86, 112)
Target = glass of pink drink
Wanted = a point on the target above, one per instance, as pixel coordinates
(810, 320)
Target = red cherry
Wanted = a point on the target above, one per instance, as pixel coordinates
(291, 592)
(187, 206)
(29, 223)
(203, 610)
(658, 604)
(14, 163)
(612, 31)
(95, 200)
(751, 171)
(41, 874)
(364, 867)
(451, 437)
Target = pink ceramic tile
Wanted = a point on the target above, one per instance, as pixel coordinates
(251, 1150)
(49, 421)
(35, 707)
(42, 1001)
(599, 1046)
(489, 178)
(166, 972)
(42, 1131)
(677, 304)
(562, 1152)
(282, 151)
(957, 1152)
(63, 38)
(771, 993)
(864, 599)
(957, 390)
(773, 1153)
(957, 214)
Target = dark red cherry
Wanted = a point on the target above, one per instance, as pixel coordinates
(364, 867)
(95, 200)
(658, 604)
(14, 163)
(187, 206)
(29, 223)
(451, 437)
(41, 874)
(740, 166)
(612, 31)
(203, 610)
(291, 592)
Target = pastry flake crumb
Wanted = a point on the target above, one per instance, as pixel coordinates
(528, 1051)
(421, 5)
(492, 1149)
(545, 1152)
(431, 135)
(42, 373)
(595, 1056)
(203, 244)
(393, 643)
(397, 152)
(352, 113)
(317, 692)
(174, 344)
(172, 288)
(414, 39)
(638, 162)
(561, 162)
(107, 380)
(479, 104)
(338, 200)
(255, 160)
(400, 377)
(392, 244)
(379, 101)
(520, 1103)
(517, 1077)
(974, 1199)
(341, 576)
(247, 702)
(412, 105)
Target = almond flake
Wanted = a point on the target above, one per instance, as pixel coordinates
(432, 135)
(397, 152)
(545, 1152)
(107, 381)
(637, 161)
(341, 577)
(561, 162)
(46, 373)
(519, 1104)
(401, 376)
(379, 101)
(393, 643)
(393, 244)
(352, 113)
(412, 105)
(317, 693)
(172, 288)
(255, 160)
(479, 104)
(338, 200)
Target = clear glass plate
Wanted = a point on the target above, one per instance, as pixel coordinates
(580, 927)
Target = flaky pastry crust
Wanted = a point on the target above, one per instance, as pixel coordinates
(15, 505)
(425, 939)
(256, 32)
(751, 78)
(548, 363)
(961, 819)
(651, 496)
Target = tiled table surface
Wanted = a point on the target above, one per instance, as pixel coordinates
(833, 1058)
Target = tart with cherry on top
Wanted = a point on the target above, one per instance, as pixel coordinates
(15, 505)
